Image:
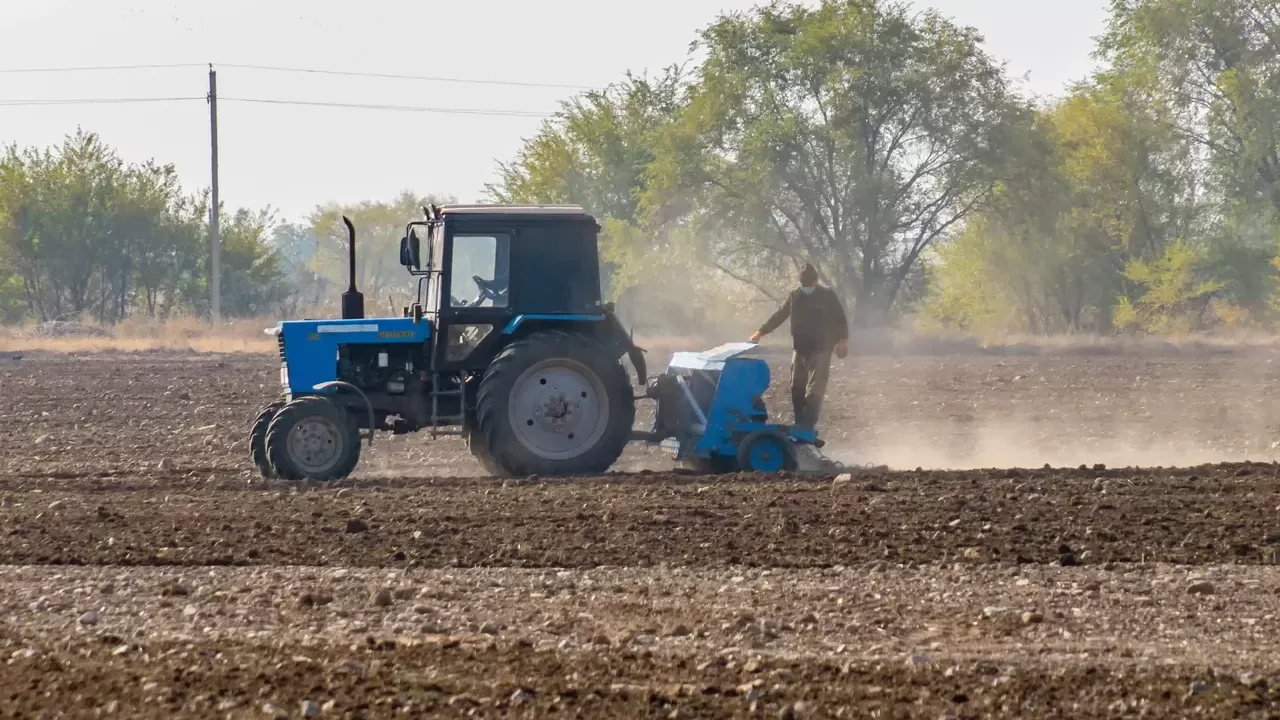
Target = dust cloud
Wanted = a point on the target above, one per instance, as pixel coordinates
(1014, 445)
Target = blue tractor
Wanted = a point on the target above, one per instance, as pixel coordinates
(508, 344)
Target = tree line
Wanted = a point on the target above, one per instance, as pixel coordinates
(883, 144)
(86, 236)
(889, 148)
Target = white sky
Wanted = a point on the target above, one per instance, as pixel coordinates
(293, 158)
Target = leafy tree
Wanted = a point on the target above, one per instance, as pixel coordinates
(379, 227)
(1090, 185)
(1211, 70)
(1175, 292)
(854, 135)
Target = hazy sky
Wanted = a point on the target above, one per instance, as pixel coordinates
(293, 157)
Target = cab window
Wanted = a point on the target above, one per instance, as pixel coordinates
(478, 275)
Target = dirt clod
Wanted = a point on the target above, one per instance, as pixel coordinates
(1203, 587)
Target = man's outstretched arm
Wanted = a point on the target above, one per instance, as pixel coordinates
(775, 320)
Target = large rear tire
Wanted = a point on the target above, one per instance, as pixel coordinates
(554, 403)
(313, 438)
(475, 443)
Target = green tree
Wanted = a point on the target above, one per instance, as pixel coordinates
(595, 152)
(1211, 69)
(1089, 186)
(854, 135)
(1175, 292)
(379, 227)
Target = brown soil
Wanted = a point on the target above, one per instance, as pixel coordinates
(1092, 591)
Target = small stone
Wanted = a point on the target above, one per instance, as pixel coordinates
(972, 553)
(1204, 587)
(1032, 618)
(175, 589)
(190, 611)
(273, 711)
(56, 504)
(356, 525)
(312, 599)
(680, 630)
(164, 465)
(1197, 687)
(328, 706)
(310, 708)
(382, 598)
(90, 618)
(489, 628)
(43, 439)
(521, 697)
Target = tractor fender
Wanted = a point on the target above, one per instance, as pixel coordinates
(342, 385)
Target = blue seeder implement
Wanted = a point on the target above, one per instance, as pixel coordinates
(711, 414)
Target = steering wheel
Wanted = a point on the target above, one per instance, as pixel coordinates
(487, 290)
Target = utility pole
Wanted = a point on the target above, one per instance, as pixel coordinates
(215, 279)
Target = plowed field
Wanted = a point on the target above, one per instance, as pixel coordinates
(143, 572)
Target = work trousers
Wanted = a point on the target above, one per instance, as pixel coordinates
(809, 374)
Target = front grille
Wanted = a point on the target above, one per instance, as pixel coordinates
(280, 342)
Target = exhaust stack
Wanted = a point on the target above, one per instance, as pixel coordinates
(352, 300)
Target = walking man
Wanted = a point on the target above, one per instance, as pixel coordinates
(818, 328)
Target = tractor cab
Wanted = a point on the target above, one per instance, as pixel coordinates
(464, 256)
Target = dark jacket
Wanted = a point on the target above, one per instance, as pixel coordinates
(818, 321)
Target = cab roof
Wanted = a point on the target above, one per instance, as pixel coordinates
(483, 209)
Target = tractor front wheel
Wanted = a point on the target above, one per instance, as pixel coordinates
(258, 438)
(554, 403)
(313, 438)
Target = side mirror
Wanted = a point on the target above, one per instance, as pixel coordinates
(410, 251)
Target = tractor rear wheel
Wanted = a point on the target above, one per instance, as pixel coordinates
(313, 438)
(554, 403)
(258, 438)
(475, 443)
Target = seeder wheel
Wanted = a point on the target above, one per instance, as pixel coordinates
(766, 451)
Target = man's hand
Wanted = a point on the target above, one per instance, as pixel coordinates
(755, 337)
(842, 349)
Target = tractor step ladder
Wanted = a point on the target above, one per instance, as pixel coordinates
(445, 424)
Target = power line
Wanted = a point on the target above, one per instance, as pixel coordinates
(94, 68)
(270, 101)
(312, 71)
(397, 76)
(400, 108)
(96, 101)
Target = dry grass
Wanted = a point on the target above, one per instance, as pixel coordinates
(184, 334)
(246, 336)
